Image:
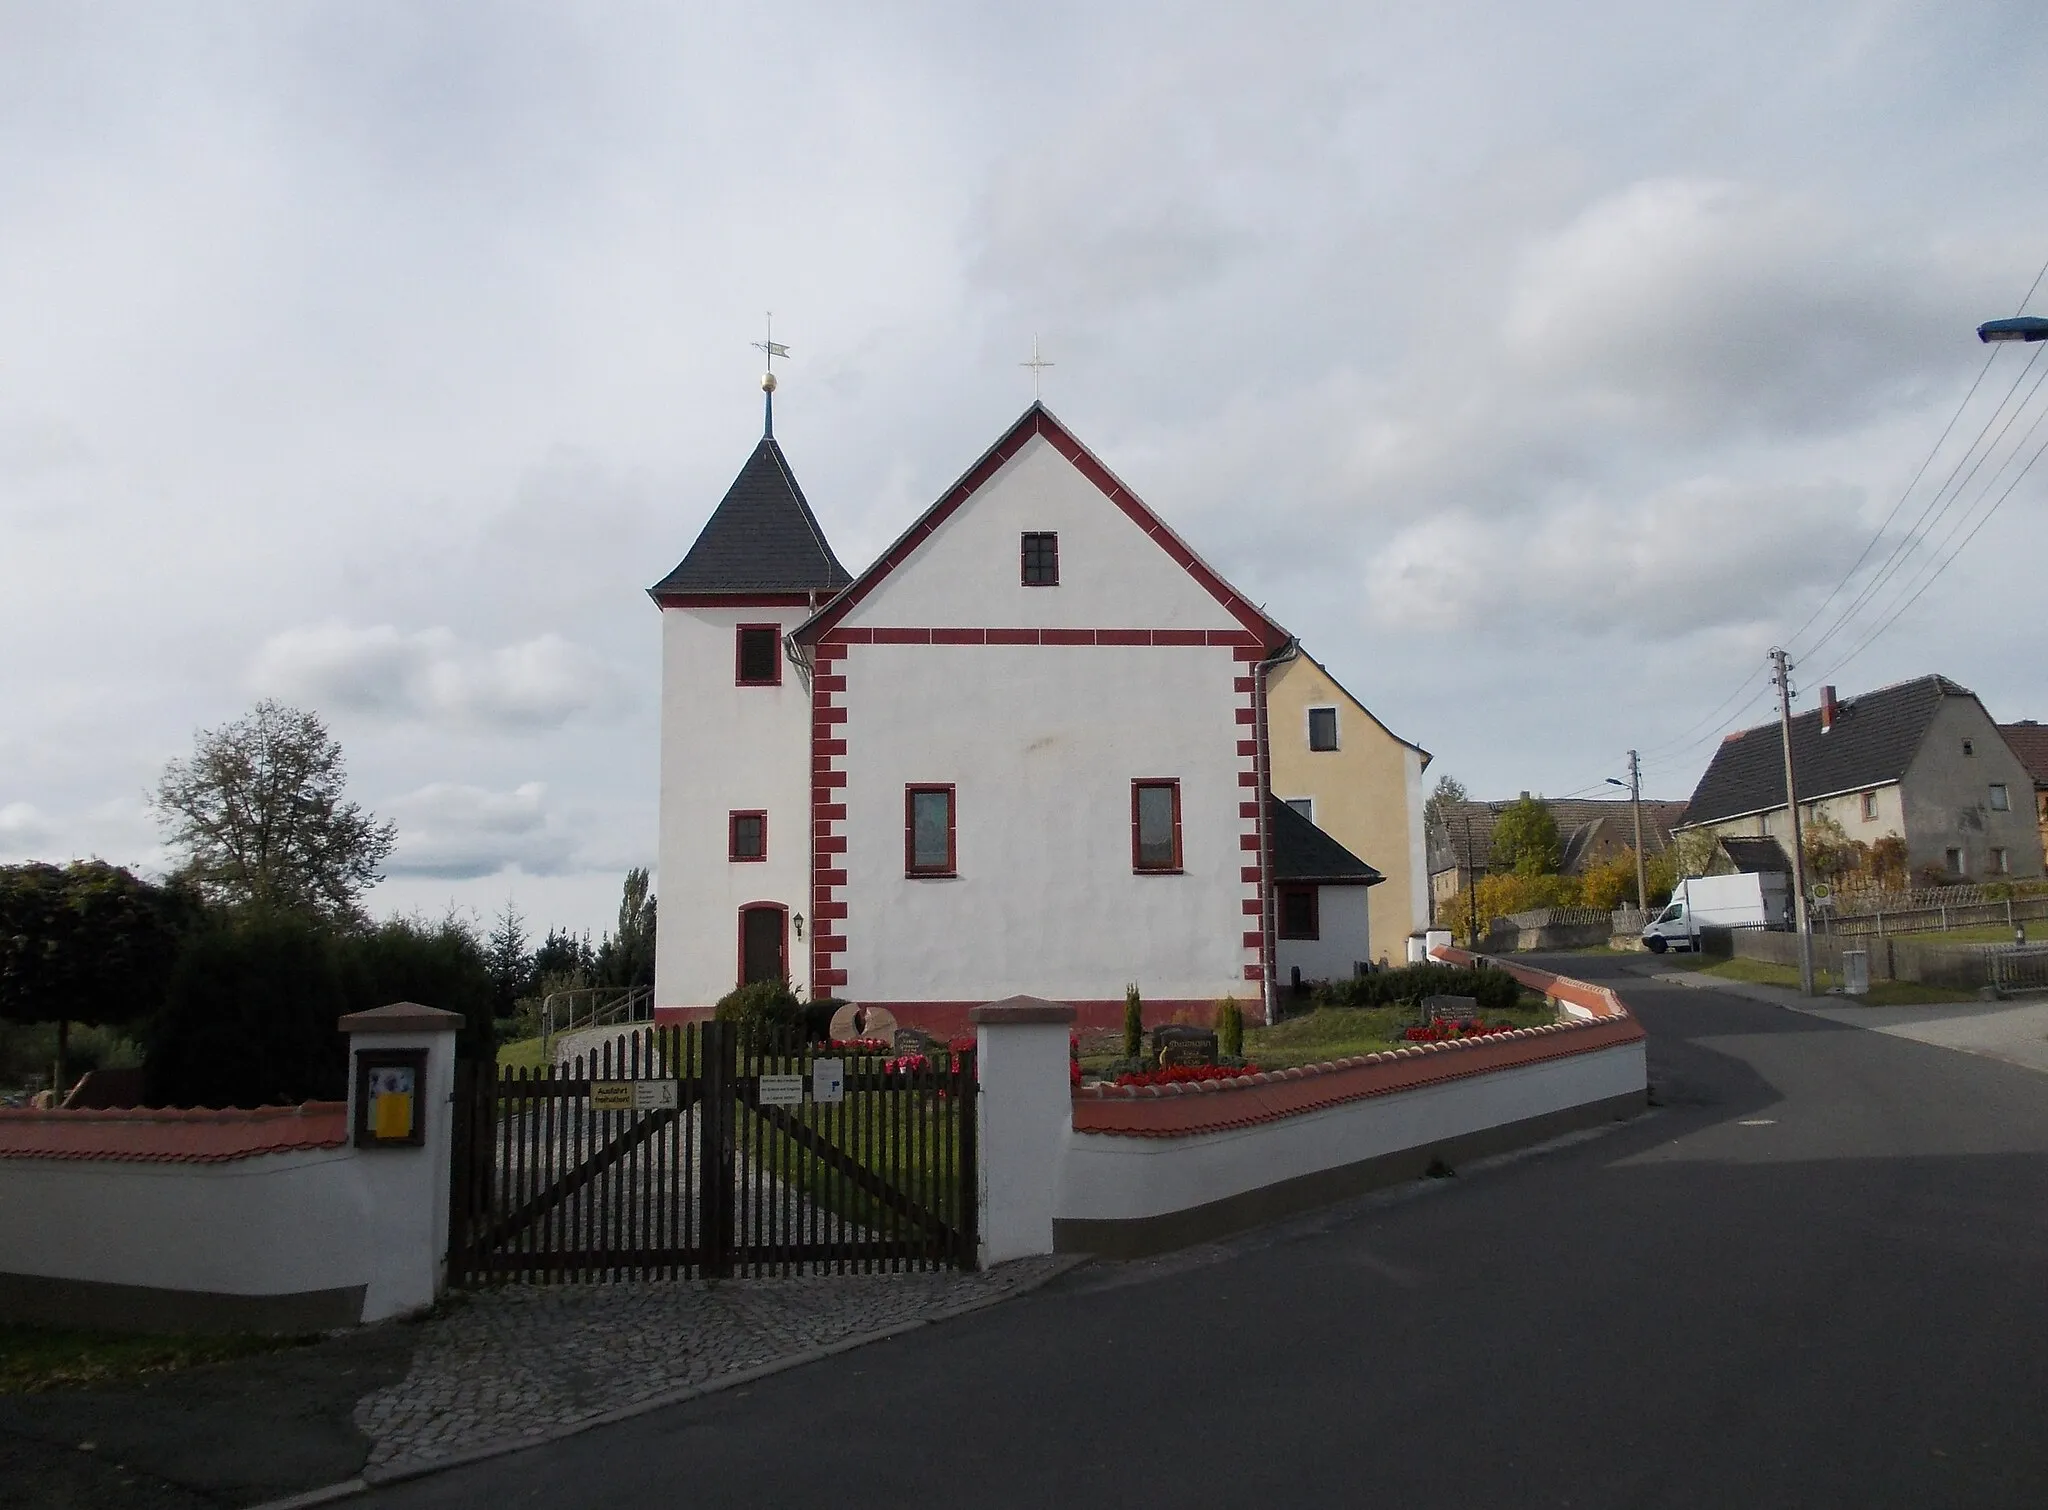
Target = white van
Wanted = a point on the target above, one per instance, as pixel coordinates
(1755, 899)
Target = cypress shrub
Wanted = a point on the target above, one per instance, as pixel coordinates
(1134, 1023)
(1230, 1029)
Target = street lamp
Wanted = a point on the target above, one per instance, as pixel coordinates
(1634, 787)
(2018, 328)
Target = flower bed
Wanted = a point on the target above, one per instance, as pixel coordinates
(1188, 1074)
(1444, 1029)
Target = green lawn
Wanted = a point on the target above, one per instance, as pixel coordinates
(36, 1359)
(1883, 993)
(522, 1054)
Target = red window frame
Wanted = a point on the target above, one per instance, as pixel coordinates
(1282, 895)
(739, 660)
(1172, 784)
(732, 835)
(910, 796)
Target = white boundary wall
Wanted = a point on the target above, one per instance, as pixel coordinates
(1116, 1177)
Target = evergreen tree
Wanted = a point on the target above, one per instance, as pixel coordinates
(509, 960)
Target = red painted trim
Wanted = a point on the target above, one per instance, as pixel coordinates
(1246, 715)
(1244, 684)
(1266, 634)
(1234, 640)
(1248, 809)
(947, 1018)
(1248, 841)
(732, 835)
(1248, 747)
(1172, 783)
(829, 977)
(739, 974)
(1253, 940)
(1252, 907)
(1269, 949)
(1254, 972)
(910, 796)
(804, 600)
(1247, 778)
(1251, 875)
(830, 683)
(739, 635)
(826, 912)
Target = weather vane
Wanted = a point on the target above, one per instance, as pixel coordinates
(1037, 364)
(774, 349)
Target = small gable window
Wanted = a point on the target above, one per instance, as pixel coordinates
(1041, 560)
(928, 831)
(2001, 800)
(1869, 807)
(1298, 919)
(758, 655)
(1969, 747)
(1155, 825)
(747, 836)
(1306, 806)
(1322, 728)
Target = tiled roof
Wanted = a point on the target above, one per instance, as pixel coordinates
(761, 538)
(1303, 852)
(172, 1136)
(2029, 741)
(1185, 1109)
(1873, 741)
(1581, 824)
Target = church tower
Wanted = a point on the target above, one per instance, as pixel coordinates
(735, 849)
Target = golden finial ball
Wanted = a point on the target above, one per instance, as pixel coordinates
(767, 382)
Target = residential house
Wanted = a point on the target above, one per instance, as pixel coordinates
(1920, 760)
(2028, 740)
(1024, 752)
(1358, 781)
(1590, 832)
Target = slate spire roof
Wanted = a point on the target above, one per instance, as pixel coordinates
(1873, 741)
(1303, 852)
(762, 538)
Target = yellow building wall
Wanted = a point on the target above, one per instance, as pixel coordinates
(1367, 792)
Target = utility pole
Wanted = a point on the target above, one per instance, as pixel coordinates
(1635, 801)
(1783, 678)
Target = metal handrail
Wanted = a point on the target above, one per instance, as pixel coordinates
(625, 1004)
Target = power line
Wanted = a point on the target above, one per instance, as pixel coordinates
(1950, 560)
(1931, 515)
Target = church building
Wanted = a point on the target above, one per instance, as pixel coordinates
(1025, 751)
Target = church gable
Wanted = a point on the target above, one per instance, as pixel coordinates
(1040, 535)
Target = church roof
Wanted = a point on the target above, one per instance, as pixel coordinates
(1303, 852)
(762, 538)
(1039, 421)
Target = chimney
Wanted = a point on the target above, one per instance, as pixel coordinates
(1827, 709)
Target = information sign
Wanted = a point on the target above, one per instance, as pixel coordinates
(654, 1095)
(782, 1090)
(611, 1095)
(828, 1081)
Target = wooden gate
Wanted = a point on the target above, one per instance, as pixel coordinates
(699, 1150)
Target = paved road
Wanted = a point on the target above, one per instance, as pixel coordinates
(1817, 1275)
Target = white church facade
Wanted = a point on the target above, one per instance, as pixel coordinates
(1025, 751)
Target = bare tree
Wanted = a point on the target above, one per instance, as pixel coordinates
(259, 813)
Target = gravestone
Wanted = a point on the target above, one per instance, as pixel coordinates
(1455, 1008)
(915, 1041)
(853, 1021)
(1178, 1044)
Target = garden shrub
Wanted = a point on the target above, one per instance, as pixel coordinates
(1493, 990)
(1134, 1023)
(765, 1013)
(1229, 1029)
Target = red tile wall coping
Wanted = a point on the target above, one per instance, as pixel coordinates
(1182, 1110)
(170, 1135)
(946, 1019)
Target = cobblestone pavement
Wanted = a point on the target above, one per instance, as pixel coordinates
(522, 1363)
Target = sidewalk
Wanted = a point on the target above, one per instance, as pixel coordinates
(2013, 1031)
(492, 1371)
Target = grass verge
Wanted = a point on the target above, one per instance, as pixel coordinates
(521, 1054)
(1883, 993)
(34, 1360)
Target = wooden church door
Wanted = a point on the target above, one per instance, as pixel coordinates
(763, 933)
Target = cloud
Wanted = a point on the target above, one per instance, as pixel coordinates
(24, 831)
(453, 831)
(1691, 559)
(540, 683)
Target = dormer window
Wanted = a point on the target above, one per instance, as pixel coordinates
(1041, 556)
(757, 655)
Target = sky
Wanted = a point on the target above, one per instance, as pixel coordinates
(1539, 365)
